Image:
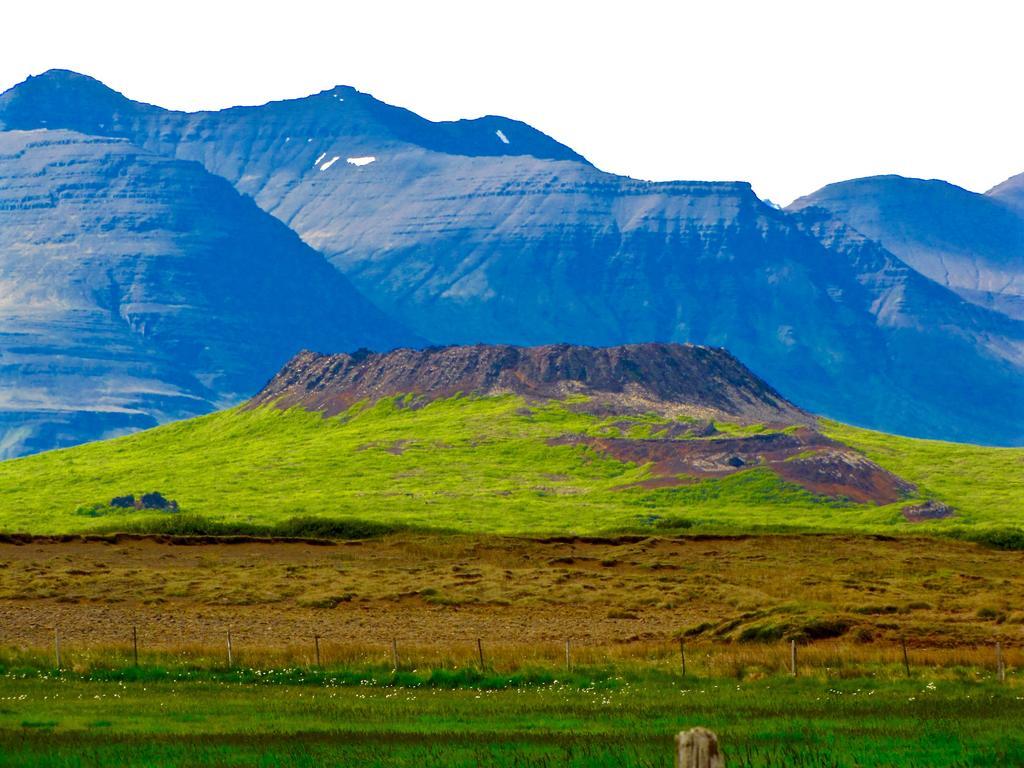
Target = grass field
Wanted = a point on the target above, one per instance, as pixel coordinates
(588, 721)
(618, 596)
(467, 464)
(464, 523)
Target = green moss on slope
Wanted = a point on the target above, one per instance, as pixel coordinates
(473, 464)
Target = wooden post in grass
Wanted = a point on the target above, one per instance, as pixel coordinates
(792, 657)
(682, 656)
(698, 748)
(1000, 663)
(316, 642)
(135, 645)
(480, 652)
(394, 652)
(906, 658)
(568, 657)
(231, 656)
(56, 644)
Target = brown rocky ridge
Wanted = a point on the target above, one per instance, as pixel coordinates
(670, 378)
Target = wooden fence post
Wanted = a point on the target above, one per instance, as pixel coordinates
(480, 651)
(568, 657)
(1000, 663)
(231, 656)
(135, 645)
(394, 653)
(906, 658)
(792, 657)
(316, 642)
(682, 656)
(56, 644)
(698, 748)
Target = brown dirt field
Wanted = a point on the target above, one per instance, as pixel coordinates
(430, 589)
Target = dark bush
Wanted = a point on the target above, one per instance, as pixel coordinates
(671, 523)
(823, 629)
(292, 528)
(156, 500)
(327, 528)
(761, 633)
(997, 538)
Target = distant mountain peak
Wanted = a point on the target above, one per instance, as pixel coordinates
(61, 81)
(60, 98)
(57, 78)
(66, 99)
(971, 243)
(868, 185)
(1010, 191)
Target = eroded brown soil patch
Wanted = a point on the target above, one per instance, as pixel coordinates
(804, 457)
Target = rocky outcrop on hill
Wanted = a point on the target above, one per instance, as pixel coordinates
(927, 511)
(664, 377)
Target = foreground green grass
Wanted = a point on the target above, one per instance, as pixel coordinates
(469, 464)
(611, 722)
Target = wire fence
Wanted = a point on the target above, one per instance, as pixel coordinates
(692, 659)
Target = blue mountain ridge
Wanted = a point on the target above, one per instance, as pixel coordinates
(488, 231)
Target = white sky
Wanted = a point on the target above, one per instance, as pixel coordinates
(788, 94)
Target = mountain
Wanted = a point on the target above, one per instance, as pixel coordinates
(698, 381)
(552, 439)
(138, 289)
(1010, 192)
(971, 243)
(488, 231)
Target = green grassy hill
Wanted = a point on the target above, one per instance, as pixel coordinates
(472, 464)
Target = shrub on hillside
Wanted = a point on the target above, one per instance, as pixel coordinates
(292, 528)
(998, 538)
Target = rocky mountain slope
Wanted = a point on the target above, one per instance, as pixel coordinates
(138, 289)
(670, 378)
(971, 243)
(487, 231)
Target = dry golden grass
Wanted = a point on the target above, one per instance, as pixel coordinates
(735, 600)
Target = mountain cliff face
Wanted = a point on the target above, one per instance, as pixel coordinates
(137, 289)
(665, 377)
(971, 243)
(488, 231)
